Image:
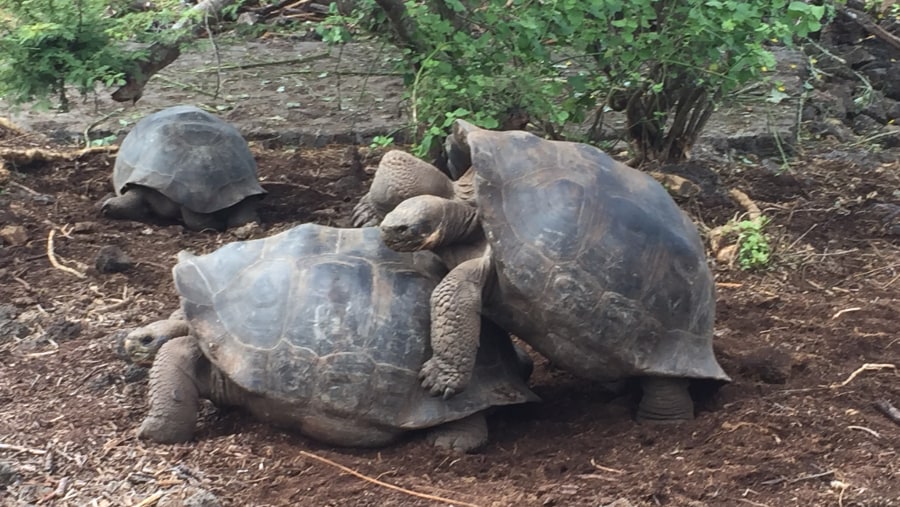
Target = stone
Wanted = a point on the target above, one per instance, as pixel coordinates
(15, 235)
(112, 259)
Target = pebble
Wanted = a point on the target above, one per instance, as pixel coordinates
(112, 259)
(14, 235)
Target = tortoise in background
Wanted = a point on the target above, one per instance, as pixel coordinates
(184, 163)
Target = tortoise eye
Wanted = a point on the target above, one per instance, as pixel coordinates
(146, 340)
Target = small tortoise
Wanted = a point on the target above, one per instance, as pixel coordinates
(588, 260)
(183, 162)
(319, 330)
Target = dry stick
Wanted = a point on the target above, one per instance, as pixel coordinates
(150, 500)
(54, 261)
(7, 124)
(215, 47)
(385, 484)
(889, 411)
(744, 200)
(19, 448)
(242, 66)
(863, 20)
(845, 310)
(32, 155)
(867, 430)
(865, 367)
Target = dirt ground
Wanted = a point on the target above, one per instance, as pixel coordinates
(797, 426)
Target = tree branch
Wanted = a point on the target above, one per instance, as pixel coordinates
(163, 54)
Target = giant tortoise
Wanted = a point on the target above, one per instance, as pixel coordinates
(588, 260)
(320, 330)
(184, 163)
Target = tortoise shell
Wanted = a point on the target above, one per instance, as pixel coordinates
(331, 327)
(597, 266)
(190, 156)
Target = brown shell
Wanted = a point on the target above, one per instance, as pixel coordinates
(598, 267)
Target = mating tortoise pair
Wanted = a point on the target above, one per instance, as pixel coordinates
(589, 261)
(320, 330)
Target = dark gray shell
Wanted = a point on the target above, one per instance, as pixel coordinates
(598, 267)
(331, 327)
(190, 156)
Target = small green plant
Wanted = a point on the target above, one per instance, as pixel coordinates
(381, 142)
(104, 141)
(753, 243)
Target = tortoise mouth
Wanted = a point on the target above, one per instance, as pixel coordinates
(142, 348)
(404, 238)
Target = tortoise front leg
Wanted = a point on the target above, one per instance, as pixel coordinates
(129, 206)
(455, 328)
(665, 400)
(175, 391)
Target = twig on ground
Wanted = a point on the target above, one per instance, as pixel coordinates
(889, 410)
(150, 500)
(805, 477)
(241, 66)
(865, 367)
(606, 469)
(19, 448)
(753, 211)
(184, 86)
(7, 124)
(863, 20)
(53, 260)
(867, 430)
(59, 492)
(384, 484)
(33, 155)
(845, 310)
(23, 187)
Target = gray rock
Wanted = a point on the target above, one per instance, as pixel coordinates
(8, 474)
(112, 259)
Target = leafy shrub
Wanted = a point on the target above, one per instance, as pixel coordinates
(666, 63)
(46, 45)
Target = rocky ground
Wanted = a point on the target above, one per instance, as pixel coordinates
(811, 342)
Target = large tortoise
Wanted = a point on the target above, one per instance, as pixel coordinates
(320, 330)
(588, 260)
(184, 163)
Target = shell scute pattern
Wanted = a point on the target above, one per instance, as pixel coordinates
(191, 157)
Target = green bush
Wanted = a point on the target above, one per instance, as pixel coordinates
(666, 63)
(47, 45)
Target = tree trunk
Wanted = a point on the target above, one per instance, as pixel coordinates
(163, 54)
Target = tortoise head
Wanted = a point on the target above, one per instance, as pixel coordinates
(418, 223)
(142, 344)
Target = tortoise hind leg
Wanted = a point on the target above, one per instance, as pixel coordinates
(202, 221)
(174, 393)
(665, 400)
(464, 435)
(242, 213)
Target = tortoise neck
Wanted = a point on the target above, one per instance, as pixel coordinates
(464, 187)
(460, 225)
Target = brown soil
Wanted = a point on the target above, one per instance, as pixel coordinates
(796, 427)
(792, 429)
